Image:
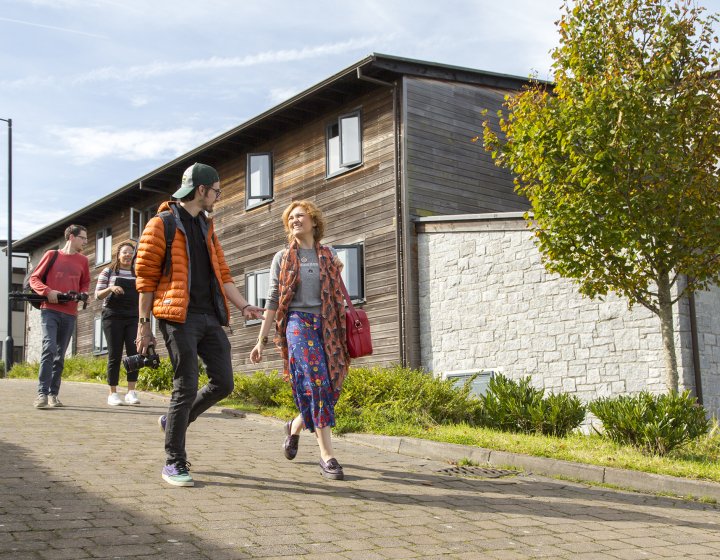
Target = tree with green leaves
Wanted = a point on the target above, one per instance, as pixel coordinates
(619, 157)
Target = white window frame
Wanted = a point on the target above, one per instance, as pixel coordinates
(99, 342)
(356, 287)
(103, 246)
(253, 199)
(252, 292)
(340, 155)
(139, 219)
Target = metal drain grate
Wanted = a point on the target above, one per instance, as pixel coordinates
(484, 472)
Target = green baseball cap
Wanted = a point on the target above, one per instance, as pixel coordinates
(195, 175)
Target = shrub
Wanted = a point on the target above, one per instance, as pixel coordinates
(516, 406)
(263, 389)
(86, 367)
(159, 379)
(76, 368)
(24, 370)
(655, 424)
(376, 396)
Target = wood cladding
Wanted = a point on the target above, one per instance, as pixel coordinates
(447, 173)
(358, 206)
(444, 173)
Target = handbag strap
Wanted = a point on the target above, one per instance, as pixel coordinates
(347, 296)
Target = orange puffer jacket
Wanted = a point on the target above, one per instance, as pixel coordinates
(172, 295)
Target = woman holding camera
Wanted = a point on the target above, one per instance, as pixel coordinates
(306, 303)
(116, 287)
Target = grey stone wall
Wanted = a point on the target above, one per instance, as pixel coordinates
(33, 335)
(707, 305)
(486, 302)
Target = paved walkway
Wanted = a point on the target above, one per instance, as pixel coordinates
(84, 482)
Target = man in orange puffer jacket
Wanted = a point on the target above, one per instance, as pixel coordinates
(191, 305)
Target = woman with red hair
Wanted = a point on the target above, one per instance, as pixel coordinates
(306, 303)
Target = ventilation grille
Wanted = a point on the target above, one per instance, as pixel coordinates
(479, 384)
(480, 472)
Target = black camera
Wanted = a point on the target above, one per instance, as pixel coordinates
(73, 296)
(134, 363)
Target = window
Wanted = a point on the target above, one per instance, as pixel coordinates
(99, 342)
(139, 219)
(259, 179)
(344, 144)
(256, 289)
(103, 246)
(352, 272)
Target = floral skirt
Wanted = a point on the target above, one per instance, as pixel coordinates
(312, 391)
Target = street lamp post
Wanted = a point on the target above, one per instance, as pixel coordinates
(9, 344)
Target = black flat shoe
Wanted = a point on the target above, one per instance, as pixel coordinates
(290, 447)
(332, 469)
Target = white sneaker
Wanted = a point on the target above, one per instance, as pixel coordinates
(114, 399)
(132, 398)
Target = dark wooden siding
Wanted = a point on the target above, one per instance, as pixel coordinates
(447, 173)
(358, 206)
(119, 222)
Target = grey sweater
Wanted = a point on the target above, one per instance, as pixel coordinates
(307, 297)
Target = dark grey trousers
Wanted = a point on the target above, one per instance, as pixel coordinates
(200, 335)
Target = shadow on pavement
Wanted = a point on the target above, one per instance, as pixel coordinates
(46, 515)
(511, 495)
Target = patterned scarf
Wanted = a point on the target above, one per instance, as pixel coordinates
(332, 311)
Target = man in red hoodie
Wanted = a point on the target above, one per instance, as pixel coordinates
(69, 272)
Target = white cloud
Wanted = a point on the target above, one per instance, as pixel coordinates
(52, 27)
(25, 218)
(139, 100)
(86, 145)
(215, 62)
(71, 4)
(278, 95)
(159, 69)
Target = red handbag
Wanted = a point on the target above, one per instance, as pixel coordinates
(357, 329)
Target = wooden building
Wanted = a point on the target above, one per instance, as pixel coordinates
(376, 145)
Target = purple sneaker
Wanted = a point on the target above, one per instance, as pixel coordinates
(162, 421)
(178, 474)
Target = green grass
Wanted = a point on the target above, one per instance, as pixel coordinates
(362, 410)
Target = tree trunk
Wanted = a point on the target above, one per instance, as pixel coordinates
(668, 332)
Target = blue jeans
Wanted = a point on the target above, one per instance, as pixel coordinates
(200, 335)
(57, 331)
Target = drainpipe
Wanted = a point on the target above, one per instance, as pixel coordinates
(695, 349)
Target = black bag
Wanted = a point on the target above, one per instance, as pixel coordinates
(26, 282)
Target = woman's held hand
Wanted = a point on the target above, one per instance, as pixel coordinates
(256, 354)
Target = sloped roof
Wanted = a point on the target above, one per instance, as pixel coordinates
(372, 72)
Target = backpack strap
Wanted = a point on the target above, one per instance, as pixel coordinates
(170, 226)
(49, 266)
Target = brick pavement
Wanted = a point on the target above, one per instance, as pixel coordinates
(84, 482)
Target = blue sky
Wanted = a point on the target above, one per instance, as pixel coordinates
(103, 91)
